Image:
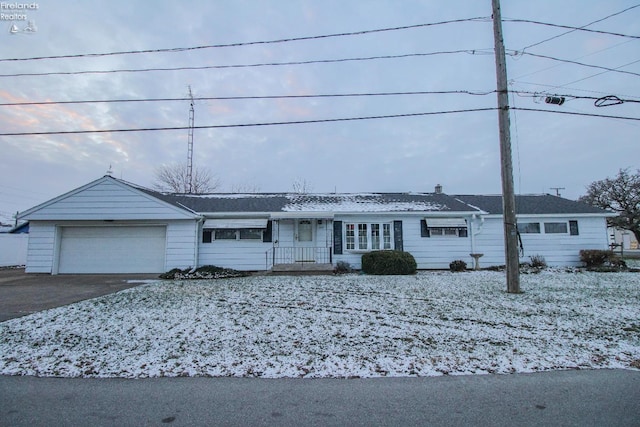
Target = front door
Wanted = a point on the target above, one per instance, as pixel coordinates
(305, 241)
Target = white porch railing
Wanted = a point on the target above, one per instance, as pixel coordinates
(291, 255)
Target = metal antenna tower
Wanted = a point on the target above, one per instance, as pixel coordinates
(190, 144)
(558, 190)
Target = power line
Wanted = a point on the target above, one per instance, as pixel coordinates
(568, 61)
(345, 119)
(594, 75)
(298, 122)
(571, 88)
(571, 113)
(311, 96)
(580, 57)
(266, 64)
(238, 44)
(227, 98)
(529, 21)
(599, 98)
(582, 27)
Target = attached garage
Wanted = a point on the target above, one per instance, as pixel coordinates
(112, 249)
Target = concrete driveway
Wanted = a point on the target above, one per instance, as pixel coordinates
(22, 294)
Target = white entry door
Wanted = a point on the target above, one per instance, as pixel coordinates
(305, 241)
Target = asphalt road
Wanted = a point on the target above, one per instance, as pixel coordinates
(563, 398)
(22, 294)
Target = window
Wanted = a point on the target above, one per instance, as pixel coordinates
(447, 227)
(208, 235)
(529, 227)
(368, 237)
(375, 235)
(251, 233)
(225, 234)
(555, 228)
(573, 228)
(386, 236)
(362, 236)
(350, 236)
(305, 231)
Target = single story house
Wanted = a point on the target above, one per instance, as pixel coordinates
(113, 226)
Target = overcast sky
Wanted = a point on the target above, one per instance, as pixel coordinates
(458, 150)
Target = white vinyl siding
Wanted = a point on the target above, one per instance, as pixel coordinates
(558, 249)
(42, 237)
(107, 199)
(245, 254)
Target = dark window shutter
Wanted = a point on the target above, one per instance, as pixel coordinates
(337, 237)
(397, 235)
(573, 228)
(424, 230)
(267, 235)
(462, 232)
(207, 236)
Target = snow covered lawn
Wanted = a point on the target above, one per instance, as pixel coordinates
(336, 326)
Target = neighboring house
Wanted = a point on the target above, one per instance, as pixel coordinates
(112, 226)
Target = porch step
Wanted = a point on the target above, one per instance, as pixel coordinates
(306, 268)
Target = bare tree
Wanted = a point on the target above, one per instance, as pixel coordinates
(301, 186)
(620, 195)
(173, 178)
(245, 188)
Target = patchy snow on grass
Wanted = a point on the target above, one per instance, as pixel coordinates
(336, 326)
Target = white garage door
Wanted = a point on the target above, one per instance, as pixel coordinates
(112, 250)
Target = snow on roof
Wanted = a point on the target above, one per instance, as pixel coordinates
(357, 203)
(319, 203)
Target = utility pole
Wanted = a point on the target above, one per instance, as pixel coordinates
(508, 197)
(190, 144)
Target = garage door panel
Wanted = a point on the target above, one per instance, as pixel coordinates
(112, 249)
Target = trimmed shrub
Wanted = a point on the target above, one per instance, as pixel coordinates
(173, 273)
(458, 265)
(538, 261)
(204, 272)
(595, 257)
(343, 267)
(388, 262)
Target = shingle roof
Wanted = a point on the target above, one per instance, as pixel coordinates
(537, 204)
(531, 204)
(285, 202)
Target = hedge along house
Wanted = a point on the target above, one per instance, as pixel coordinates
(112, 226)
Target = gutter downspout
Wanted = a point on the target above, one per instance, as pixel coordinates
(196, 251)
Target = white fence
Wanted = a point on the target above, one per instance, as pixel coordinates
(13, 249)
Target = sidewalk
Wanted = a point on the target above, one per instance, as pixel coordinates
(567, 398)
